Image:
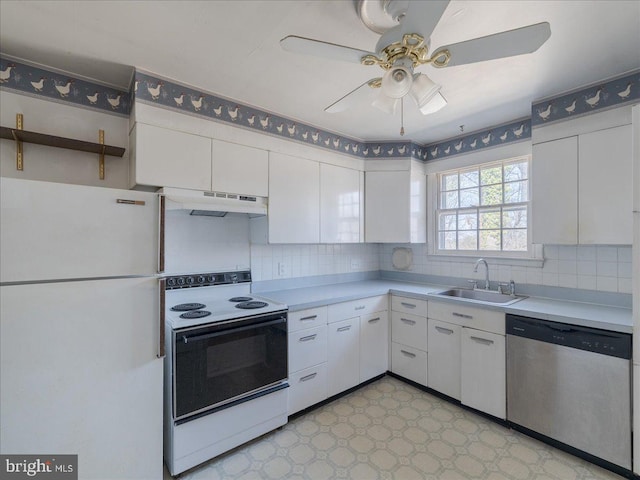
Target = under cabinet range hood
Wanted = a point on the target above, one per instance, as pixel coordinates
(213, 204)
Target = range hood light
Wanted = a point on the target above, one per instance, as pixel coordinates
(207, 213)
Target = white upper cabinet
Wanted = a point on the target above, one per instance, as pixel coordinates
(605, 187)
(294, 200)
(340, 204)
(395, 207)
(582, 180)
(554, 192)
(239, 169)
(168, 158)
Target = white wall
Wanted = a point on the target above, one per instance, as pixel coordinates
(57, 164)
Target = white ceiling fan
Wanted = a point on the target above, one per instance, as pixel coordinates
(405, 28)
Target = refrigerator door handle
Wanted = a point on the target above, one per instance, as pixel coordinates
(161, 212)
(161, 346)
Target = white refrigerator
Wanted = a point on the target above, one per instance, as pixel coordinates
(80, 371)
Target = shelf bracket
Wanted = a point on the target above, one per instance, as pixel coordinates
(19, 155)
(101, 154)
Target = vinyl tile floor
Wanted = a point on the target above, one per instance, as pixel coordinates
(393, 431)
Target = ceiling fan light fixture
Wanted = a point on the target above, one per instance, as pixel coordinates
(386, 104)
(436, 103)
(397, 81)
(423, 89)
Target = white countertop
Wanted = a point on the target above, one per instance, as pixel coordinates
(586, 314)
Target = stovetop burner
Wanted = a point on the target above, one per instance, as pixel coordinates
(185, 307)
(251, 305)
(240, 299)
(195, 314)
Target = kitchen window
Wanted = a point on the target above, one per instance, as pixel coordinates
(484, 209)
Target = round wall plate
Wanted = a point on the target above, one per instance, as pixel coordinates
(374, 15)
(402, 258)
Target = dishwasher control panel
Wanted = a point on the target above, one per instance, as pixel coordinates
(614, 344)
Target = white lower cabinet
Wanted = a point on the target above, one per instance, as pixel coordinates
(483, 372)
(307, 349)
(343, 343)
(374, 345)
(409, 338)
(443, 372)
(467, 359)
(409, 362)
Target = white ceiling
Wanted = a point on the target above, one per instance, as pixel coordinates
(231, 49)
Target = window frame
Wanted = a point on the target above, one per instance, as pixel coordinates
(529, 253)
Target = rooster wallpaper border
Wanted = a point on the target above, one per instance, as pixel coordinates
(56, 86)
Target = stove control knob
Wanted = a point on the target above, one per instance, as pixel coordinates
(171, 282)
(180, 281)
(201, 279)
(190, 280)
(211, 278)
(233, 277)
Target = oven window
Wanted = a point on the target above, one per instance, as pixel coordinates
(217, 364)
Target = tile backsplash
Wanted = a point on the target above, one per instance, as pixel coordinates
(600, 268)
(274, 262)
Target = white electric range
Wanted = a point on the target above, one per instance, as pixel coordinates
(225, 366)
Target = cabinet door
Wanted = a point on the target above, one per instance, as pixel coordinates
(483, 372)
(605, 187)
(387, 207)
(554, 192)
(343, 354)
(339, 204)
(294, 200)
(444, 357)
(239, 169)
(168, 158)
(374, 345)
(307, 387)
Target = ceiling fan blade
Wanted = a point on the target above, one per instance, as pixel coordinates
(318, 48)
(419, 17)
(361, 94)
(505, 44)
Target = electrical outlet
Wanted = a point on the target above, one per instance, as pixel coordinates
(282, 269)
(355, 265)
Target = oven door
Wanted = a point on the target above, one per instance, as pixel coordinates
(222, 363)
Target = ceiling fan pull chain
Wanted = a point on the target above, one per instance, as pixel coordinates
(402, 117)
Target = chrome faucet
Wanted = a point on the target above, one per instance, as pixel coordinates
(486, 266)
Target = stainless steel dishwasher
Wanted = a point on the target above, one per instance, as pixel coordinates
(571, 384)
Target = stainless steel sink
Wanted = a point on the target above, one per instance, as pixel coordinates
(480, 296)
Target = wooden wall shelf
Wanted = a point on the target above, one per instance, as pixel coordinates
(60, 142)
(20, 136)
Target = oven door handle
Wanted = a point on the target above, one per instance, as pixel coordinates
(206, 336)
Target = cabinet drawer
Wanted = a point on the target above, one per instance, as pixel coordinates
(307, 387)
(409, 330)
(466, 316)
(307, 347)
(414, 306)
(306, 318)
(409, 362)
(355, 308)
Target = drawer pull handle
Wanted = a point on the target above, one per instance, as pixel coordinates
(310, 317)
(484, 341)
(361, 307)
(373, 320)
(308, 377)
(410, 322)
(308, 338)
(408, 305)
(462, 315)
(408, 354)
(344, 329)
(446, 331)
